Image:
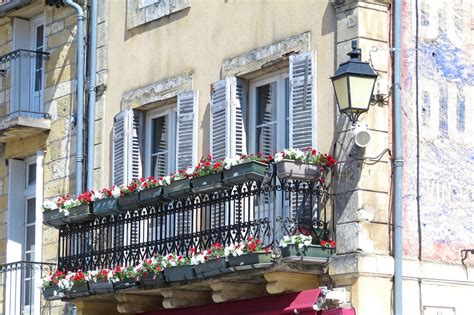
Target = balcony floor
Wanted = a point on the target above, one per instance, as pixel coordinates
(15, 127)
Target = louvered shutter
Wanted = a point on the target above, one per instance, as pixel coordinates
(228, 118)
(302, 112)
(186, 145)
(126, 147)
(302, 100)
(187, 129)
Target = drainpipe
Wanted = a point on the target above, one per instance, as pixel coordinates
(92, 94)
(80, 93)
(398, 156)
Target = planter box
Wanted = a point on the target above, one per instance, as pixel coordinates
(288, 169)
(125, 284)
(78, 290)
(52, 293)
(102, 286)
(105, 207)
(82, 213)
(250, 259)
(245, 172)
(179, 273)
(151, 196)
(178, 189)
(153, 279)
(212, 268)
(54, 218)
(208, 183)
(129, 202)
(312, 253)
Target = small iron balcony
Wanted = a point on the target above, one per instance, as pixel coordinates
(22, 75)
(20, 282)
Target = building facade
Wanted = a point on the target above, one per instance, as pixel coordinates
(179, 79)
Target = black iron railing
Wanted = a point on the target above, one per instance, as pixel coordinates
(20, 281)
(25, 69)
(267, 209)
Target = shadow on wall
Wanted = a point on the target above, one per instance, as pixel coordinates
(347, 174)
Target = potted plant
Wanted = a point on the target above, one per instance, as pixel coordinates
(125, 278)
(252, 251)
(178, 185)
(150, 272)
(245, 168)
(75, 284)
(79, 210)
(307, 165)
(129, 197)
(151, 191)
(105, 203)
(177, 268)
(301, 247)
(207, 176)
(50, 286)
(101, 281)
(53, 215)
(210, 262)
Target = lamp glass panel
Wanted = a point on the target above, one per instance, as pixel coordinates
(342, 94)
(361, 91)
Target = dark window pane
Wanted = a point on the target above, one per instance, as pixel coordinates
(30, 238)
(39, 36)
(31, 174)
(266, 121)
(160, 134)
(30, 211)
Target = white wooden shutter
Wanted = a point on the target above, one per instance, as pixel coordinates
(302, 100)
(126, 147)
(187, 129)
(228, 118)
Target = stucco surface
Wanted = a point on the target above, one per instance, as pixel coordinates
(200, 38)
(446, 145)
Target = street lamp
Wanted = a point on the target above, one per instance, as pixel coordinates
(353, 84)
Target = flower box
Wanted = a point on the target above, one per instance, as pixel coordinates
(52, 293)
(79, 214)
(212, 268)
(208, 183)
(289, 169)
(101, 286)
(179, 273)
(54, 218)
(105, 207)
(126, 283)
(153, 279)
(250, 259)
(245, 172)
(128, 202)
(152, 196)
(78, 290)
(178, 189)
(311, 253)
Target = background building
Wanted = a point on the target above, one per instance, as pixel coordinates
(168, 70)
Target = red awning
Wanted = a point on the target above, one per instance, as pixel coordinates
(288, 303)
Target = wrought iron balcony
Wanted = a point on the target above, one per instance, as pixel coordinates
(20, 282)
(266, 209)
(21, 73)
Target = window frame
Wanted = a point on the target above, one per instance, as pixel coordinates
(35, 23)
(171, 111)
(279, 78)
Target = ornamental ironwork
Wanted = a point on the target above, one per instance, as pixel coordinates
(266, 209)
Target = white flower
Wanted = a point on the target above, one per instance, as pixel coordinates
(49, 205)
(116, 192)
(278, 157)
(166, 180)
(283, 244)
(64, 211)
(300, 245)
(97, 195)
(229, 162)
(307, 243)
(190, 171)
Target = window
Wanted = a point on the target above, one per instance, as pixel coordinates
(29, 232)
(28, 69)
(269, 110)
(160, 140)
